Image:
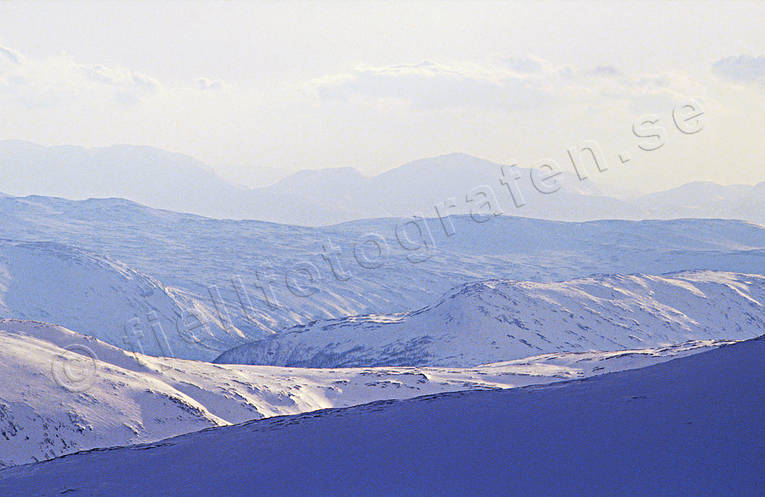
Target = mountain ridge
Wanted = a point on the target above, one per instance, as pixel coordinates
(496, 320)
(218, 264)
(683, 427)
(73, 392)
(178, 182)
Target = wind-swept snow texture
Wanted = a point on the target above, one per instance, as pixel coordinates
(64, 392)
(691, 426)
(497, 320)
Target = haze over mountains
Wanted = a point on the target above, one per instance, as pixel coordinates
(382, 249)
(455, 182)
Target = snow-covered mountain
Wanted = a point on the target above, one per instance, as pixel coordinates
(498, 320)
(691, 426)
(47, 281)
(70, 392)
(223, 266)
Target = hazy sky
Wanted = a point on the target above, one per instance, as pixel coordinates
(245, 86)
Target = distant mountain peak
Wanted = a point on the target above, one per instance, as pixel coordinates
(177, 182)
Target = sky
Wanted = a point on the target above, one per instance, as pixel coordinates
(261, 89)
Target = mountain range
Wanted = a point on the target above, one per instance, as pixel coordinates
(452, 324)
(71, 392)
(497, 320)
(689, 426)
(215, 284)
(447, 184)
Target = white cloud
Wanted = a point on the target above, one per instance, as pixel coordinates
(39, 83)
(511, 84)
(58, 81)
(605, 71)
(524, 65)
(118, 77)
(431, 85)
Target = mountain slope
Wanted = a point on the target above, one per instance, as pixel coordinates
(701, 198)
(71, 392)
(692, 426)
(178, 182)
(47, 281)
(223, 265)
(499, 320)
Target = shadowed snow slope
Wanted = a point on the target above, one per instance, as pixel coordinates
(692, 426)
(496, 320)
(66, 392)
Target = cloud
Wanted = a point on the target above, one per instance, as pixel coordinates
(511, 84)
(117, 77)
(743, 68)
(431, 85)
(45, 83)
(129, 85)
(57, 81)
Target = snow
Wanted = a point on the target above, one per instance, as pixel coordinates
(690, 426)
(191, 259)
(498, 356)
(502, 305)
(107, 396)
(48, 281)
(497, 320)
